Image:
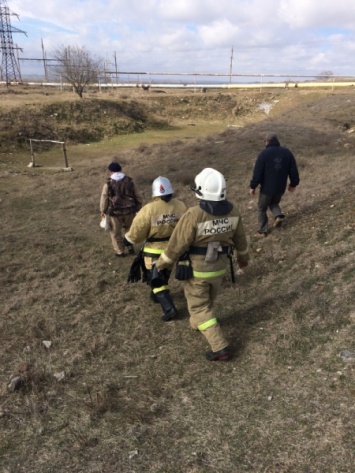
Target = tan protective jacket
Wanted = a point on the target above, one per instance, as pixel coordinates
(155, 220)
(198, 228)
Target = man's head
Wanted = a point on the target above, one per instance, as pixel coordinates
(271, 136)
(114, 167)
(210, 185)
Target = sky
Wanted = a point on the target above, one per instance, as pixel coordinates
(256, 37)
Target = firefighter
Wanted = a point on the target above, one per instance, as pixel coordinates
(208, 231)
(153, 225)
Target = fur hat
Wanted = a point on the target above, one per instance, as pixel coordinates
(115, 167)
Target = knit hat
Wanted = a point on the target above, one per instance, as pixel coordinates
(270, 136)
(114, 167)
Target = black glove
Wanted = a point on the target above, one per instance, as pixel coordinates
(159, 278)
(135, 270)
(146, 278)
(183, 270)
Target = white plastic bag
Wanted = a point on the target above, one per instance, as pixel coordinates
(105, 223)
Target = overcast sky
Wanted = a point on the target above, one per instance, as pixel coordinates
(296, 37)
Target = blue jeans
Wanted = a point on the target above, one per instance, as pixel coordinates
(266, 202)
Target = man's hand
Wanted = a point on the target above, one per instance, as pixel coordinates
(242, 264)
(252, 192)
(291, 189)
(126, 242)
(162, 264)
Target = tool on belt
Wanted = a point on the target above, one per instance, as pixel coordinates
(212, 253)
(183, 269)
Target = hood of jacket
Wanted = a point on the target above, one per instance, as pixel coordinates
(117, 176)
(221, 207)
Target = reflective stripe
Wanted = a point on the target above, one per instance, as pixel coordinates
(207, 324)
(154, 251)
(159, 289)
(210, 274)
(243, 252)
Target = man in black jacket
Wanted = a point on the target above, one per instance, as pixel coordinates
(274, 165)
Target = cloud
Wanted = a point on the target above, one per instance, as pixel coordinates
(219, 33)
(267, 35)
(308, 14)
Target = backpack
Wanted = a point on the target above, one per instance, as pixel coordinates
(122, 198)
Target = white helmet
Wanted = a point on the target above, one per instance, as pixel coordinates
(161, 186)
(210, 185)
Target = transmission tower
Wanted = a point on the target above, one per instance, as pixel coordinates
(10, 70)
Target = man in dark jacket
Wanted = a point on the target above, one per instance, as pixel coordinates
(274, 165)
(120, 201)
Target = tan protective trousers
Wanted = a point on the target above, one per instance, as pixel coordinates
(200, 295)
(119, 226)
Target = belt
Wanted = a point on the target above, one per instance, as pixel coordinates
(202, 250)
(152, 239)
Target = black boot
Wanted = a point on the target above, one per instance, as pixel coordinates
(153, 298)
(169, 309)
(221, 355)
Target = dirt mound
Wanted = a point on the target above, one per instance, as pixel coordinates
(74, 121)
(63, 117)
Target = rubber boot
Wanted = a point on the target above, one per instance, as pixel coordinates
(153, 298)
(169, 309)
(221, 355)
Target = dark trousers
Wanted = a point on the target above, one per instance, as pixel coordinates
(266, 202)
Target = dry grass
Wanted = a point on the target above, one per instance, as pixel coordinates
(120, 391)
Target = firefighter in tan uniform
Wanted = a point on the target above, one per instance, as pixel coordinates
(207, 231)
(154, 225)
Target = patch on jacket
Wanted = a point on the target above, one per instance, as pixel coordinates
(165, 219)
(218, 226)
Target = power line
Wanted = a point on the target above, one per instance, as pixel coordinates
(10, 70)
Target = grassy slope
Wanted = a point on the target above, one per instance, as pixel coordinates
(137, 394)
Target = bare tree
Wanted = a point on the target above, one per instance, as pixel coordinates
(325, 75)
(76, 66)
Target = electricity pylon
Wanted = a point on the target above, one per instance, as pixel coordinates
(10, 70)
